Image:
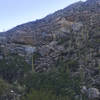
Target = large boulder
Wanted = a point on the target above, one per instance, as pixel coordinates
(91, 93)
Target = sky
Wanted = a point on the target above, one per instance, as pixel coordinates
(16, 12)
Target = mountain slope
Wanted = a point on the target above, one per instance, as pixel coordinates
(79, 22)
(68, 38)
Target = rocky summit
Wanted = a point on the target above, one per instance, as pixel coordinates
(69, 37)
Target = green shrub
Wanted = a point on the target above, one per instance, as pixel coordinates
(13, 68)
(43, 95)
(4, 87)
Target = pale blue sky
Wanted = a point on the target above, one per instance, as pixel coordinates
(15, 12)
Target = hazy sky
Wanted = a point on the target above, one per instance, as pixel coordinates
(15, 12)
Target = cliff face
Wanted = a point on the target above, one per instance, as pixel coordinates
(68, 35)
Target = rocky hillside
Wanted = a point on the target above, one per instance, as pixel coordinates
(70, 37)
(73, 29)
